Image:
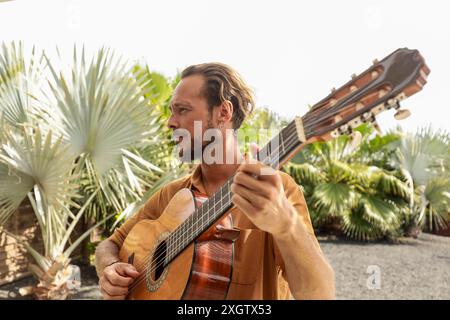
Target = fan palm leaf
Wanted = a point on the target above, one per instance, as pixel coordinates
(437, 197)
(425, 154)
(333, 198)
(103, 114)
(379, 212)
(29, 160)
(355, 225)
(305, 173)
(19, 81)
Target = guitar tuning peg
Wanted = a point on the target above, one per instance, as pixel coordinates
(375, 61)
(353, 75)
(333, 90)
(367, 116)
(381, 93)
(402, 114)
(377, 127)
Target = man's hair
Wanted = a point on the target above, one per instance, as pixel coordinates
(223, 83)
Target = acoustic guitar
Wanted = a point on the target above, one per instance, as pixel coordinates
(187, 253)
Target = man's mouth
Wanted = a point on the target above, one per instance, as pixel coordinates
(177, 142)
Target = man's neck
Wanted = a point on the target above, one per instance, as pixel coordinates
(215, 175)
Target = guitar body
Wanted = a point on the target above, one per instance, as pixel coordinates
(202, 271)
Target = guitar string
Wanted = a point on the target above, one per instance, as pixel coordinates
(289, 143)
(334, 110)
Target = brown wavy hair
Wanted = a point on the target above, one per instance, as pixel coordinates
(223, 83)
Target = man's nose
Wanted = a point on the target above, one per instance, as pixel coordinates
(172, 123)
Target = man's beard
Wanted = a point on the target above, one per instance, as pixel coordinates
(196, 154)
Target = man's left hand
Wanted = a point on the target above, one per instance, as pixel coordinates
(258, 191)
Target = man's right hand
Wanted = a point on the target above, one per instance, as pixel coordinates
(115, 280)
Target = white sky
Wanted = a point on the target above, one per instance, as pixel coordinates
(291, 52)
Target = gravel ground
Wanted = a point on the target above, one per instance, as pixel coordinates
(411, 269)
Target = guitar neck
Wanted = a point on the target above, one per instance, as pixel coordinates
(279, 150)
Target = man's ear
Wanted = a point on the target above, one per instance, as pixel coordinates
(226, 112)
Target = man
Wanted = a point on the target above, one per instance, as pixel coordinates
(276, 255)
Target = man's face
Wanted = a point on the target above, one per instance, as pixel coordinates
(189, 105)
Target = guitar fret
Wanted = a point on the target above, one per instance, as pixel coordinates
(227, 194)
(190, 233)
(182, 235)
(278, 153)
(221, 197)
(202, 220)
(168, 249)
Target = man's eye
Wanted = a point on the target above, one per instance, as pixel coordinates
(182, 110)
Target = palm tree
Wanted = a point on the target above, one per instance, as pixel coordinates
(425, 156)
(40, 167)
(105, 110)
(343, 185)
(81, 147)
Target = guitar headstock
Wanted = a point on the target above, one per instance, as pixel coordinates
(379, 88)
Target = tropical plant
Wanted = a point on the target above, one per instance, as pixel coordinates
(343, 186)
(41, 168)
(78, 146)
(19, 80)
(425, 156)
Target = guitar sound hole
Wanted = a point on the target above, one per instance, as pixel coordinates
(158, 261)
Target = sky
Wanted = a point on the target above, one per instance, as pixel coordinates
(290, 52)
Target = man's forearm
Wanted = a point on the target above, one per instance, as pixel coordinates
(309, 274)
(106, 253)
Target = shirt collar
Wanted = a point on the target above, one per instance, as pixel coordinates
(197, 181)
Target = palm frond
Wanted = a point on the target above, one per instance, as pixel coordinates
(131, 209)
(333, 198)
(390, 184)
(305, 173)
(11, 61)
(105, 114)
(357, 227)
(378, 211)
(14, 187)
(19, 82)
(99, 109)
(35, 160)
(437, 196)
